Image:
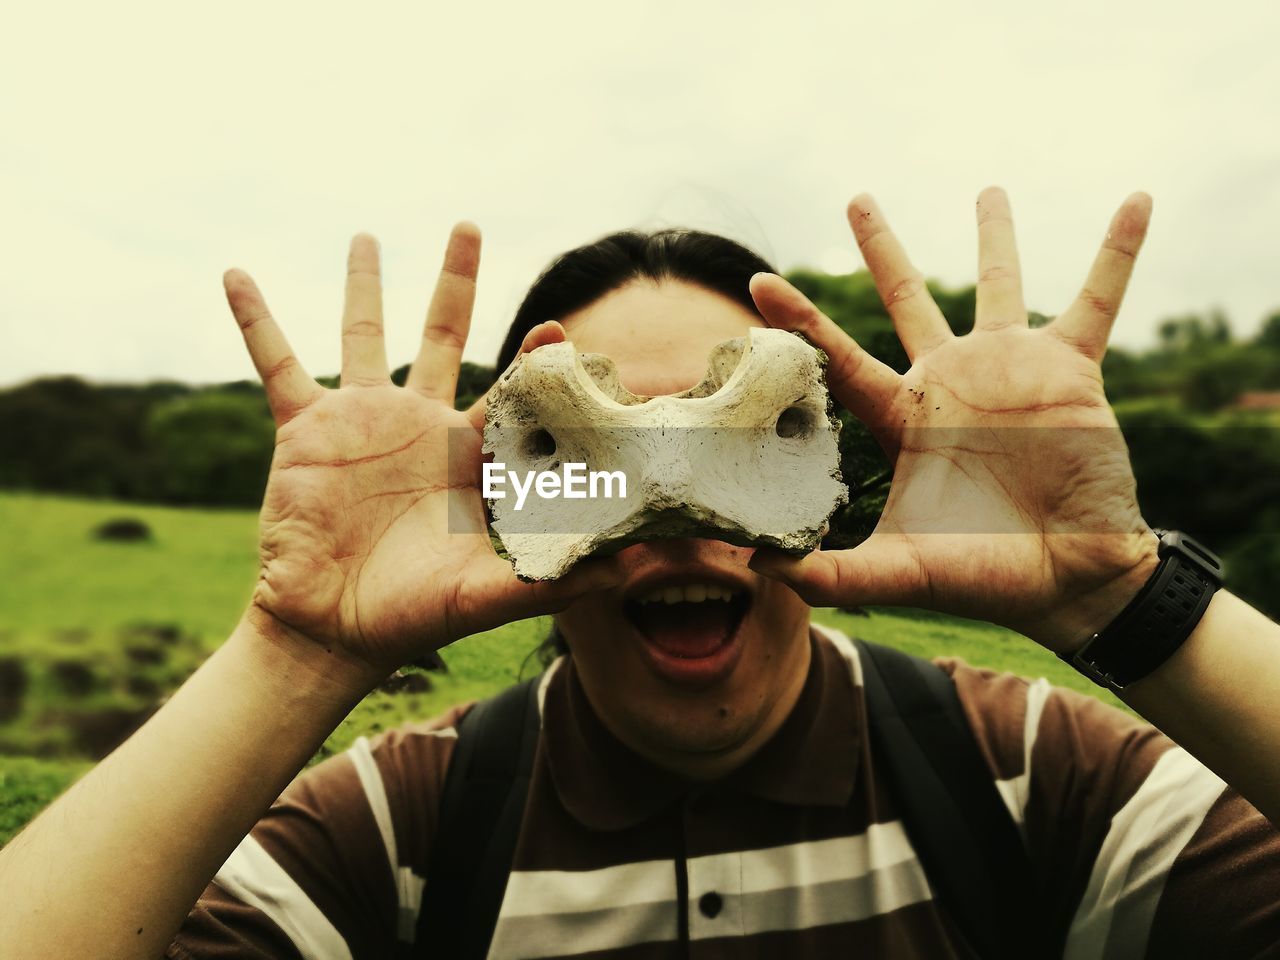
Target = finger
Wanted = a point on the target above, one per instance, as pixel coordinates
(289, 387)
(999, 298)
(859, 382)
(883, 569)
(435, 370)
(548, 332)
(364, 353)
(550, 596)
(493, 596)
(1086, 324)
(917, 319)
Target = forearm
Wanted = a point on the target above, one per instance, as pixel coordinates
(1217, 696)
(112, 868)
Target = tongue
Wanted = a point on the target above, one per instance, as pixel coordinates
(688, 630)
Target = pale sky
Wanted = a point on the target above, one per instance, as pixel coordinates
(148, 146)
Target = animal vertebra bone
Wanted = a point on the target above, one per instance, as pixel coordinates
(749, 455)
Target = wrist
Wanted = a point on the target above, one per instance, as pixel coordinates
(1109, 600)
(1088, 612)
(302, 670)
(1158, 620)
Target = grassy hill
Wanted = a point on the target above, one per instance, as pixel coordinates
(93, 633)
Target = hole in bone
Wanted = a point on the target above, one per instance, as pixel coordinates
(793, 422)
(539, 444)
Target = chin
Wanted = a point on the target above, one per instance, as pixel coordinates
(687, 733)
(692, 653)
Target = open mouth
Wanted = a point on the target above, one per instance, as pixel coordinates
(689, 621)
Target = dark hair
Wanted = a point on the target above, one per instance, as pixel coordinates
(585, 274)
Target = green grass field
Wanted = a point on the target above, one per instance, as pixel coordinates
(94, 633)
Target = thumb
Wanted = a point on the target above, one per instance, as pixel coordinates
(884, 569)
(586, 576)
(549, 331)
(517, 600)
(861, 383)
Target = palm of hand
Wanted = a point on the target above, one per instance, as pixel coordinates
(355, 522)
(1010, 466)
(1013, 499)
(373, 535)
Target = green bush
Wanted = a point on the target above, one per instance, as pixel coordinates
(211, 448)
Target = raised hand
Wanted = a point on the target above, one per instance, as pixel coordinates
(1013, 499)
(373, 536)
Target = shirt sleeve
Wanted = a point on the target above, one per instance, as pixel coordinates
(1137, 849)
(335, 868)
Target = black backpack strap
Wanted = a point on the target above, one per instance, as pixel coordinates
(962, 832)
(481, 808)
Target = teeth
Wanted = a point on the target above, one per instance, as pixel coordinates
(689, 593)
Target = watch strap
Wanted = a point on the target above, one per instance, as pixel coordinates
(1157, 620)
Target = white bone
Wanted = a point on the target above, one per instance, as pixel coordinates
(749, 455)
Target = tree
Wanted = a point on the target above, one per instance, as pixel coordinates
(212, 448)
(1215, 375)
(64, 435)
(1192, 331)
(1269, 335)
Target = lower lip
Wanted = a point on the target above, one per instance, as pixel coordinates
(695, 672)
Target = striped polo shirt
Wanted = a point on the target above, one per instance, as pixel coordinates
(1137, 850)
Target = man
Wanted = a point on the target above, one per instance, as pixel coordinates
(732, 748)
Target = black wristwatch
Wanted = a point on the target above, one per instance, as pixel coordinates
(1156, 622)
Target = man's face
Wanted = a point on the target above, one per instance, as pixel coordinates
(695, 685)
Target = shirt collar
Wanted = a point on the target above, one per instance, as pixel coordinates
(810, 760)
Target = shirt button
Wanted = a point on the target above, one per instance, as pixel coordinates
(709, 904)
